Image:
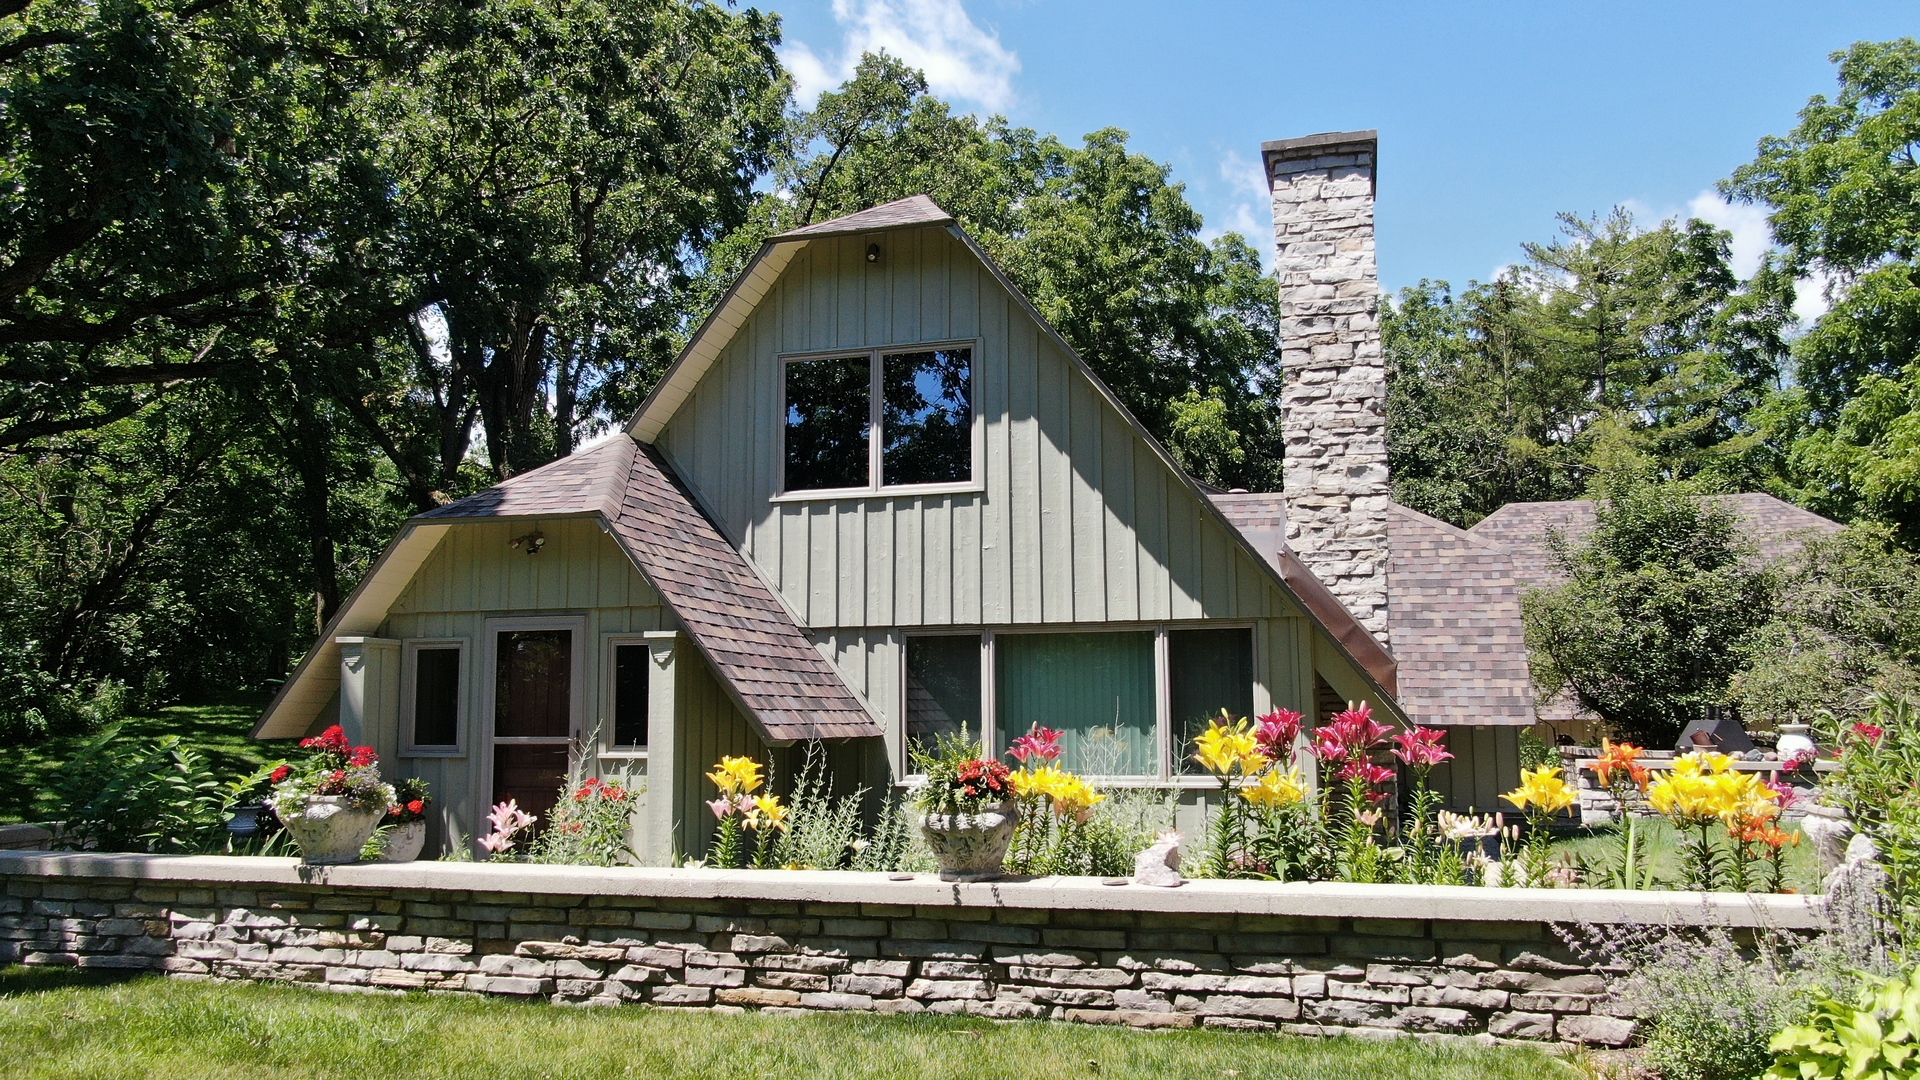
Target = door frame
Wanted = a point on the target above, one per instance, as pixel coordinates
(489, 681)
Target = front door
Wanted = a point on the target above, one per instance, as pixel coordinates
(532, 716)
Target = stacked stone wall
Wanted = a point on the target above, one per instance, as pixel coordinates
(1334, 390)
(1298, 974)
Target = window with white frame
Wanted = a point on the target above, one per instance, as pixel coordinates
(1122, 710)
(629, 668)
(431, 696)
(879, 418)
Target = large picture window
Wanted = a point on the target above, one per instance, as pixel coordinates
(1128, 702)
(917, 404)
(1098, 688)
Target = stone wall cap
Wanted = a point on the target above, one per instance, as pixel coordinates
(1315, 899)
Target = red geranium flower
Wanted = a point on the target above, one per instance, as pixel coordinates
(333, 740)
(1869, 732)
(280, 774)
(416, 807)
(362, 757)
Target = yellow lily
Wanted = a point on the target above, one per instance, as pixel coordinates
(767, 813)
(1073, 797)
(736, 776)
(1224, 748)
(1275, 789)
(1542, 791)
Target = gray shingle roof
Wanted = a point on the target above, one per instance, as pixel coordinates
(914, 210)
(779, 679)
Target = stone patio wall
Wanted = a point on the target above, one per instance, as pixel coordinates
(1460, 962)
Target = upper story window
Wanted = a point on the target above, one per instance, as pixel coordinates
(879, 419)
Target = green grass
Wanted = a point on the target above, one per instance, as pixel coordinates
(217, 731)
(1661, 842)
(60, 1025)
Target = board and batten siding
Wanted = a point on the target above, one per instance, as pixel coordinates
(1078, 522)
(475, 574)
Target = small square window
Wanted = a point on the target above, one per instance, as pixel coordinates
(829, 423)
(630, 664)
(943, 688)
(436, 696)
(927, 424)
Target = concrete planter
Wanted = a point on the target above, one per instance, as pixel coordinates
(328, 831)
(971, 847)
(404, 842)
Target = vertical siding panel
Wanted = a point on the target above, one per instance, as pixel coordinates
(963, 276)
(876, 298)
(1150, 530)
(795, 559)
(1183, 553)
(936, 546)
(1025, 490)
(882, 566)
(935, 286)
(823, 565)
(907, 279)
(851, 540)
(967, 559)
(1088, 519)
(996, 536)
(1217, 563)
(1122, 579)
(1055, 572)
(908, 559)
(850, 293)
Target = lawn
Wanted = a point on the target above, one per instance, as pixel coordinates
(1660, 841)
(217, 731)
(59, 1024)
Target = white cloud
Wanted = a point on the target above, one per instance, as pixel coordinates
(962, 61)
(1747, 223)
(1248, 209)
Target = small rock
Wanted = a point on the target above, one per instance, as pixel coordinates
(1160, 864)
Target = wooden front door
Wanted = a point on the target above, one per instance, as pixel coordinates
(532, 716)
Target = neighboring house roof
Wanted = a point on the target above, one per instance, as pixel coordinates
(1452, 607)
(780, 681)
(908, 213)
(1775, 527)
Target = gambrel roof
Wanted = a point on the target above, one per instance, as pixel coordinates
(776, 676)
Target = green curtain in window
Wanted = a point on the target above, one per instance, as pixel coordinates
(1098, 688)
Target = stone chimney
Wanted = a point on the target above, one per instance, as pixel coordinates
(1335, 389)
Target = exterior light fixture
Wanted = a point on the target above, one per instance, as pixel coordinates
(530, 543)
(873, 253)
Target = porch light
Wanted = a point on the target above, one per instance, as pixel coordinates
(531, 543)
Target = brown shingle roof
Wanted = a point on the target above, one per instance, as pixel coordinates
(1454, 610)
(904, 213)
(779, 679)
(1775, 527)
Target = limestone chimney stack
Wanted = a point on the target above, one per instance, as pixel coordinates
(1335, 389)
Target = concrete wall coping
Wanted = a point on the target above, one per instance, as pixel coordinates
(1316, 899)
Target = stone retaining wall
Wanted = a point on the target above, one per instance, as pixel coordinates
(795, 942)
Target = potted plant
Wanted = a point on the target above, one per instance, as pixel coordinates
(406, 821)
(333, 799)
(967, 808)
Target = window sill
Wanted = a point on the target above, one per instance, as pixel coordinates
(865, 494)
(433, 752)
(623, 755)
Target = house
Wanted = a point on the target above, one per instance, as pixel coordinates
(877, 498)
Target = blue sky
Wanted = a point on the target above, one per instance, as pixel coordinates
(1492, 116)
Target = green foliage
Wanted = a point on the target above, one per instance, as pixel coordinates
(1878, 784)
(1534, 751)
(829, 831)
(154, 795)
(1609, 338)
(1875, 1037)
(1659, 600)
(591, 824)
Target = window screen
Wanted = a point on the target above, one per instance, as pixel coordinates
(943, 687)
(927, 419)
(828, 423)
(1097, 688)
(1209, 670)
(436, 696)
(630, 664)
(532, 684)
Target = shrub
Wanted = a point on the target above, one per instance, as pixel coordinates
(136, 795)
(1875, 1037)
(1878, 784)
(590, 824)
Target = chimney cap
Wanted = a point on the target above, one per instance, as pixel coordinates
(1309, 143)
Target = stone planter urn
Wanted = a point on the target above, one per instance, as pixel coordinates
(971, 847)
(329, 831)
(404, 842)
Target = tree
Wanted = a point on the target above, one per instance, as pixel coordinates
(1845, 627)
(1658, 603)
(1844, 193)
(1608, 336)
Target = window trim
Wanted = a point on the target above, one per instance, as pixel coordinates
(1168, 774)
(409, 684)
(876, 450)
(607, 749)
